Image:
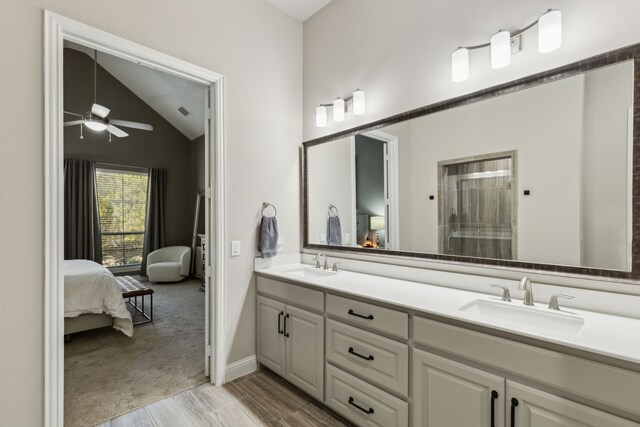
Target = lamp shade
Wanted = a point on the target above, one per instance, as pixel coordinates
(358, 102)
(377, 223)
(500, 49)
(550, 31)
(460, 64)
(321, 116)
(338, 110)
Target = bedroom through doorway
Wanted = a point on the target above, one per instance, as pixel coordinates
(136, 221)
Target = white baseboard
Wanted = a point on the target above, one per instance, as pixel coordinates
(241, 368)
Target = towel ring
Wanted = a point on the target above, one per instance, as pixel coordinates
(332, 208)
(265, 205)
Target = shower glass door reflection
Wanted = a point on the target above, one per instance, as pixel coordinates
(477, 209)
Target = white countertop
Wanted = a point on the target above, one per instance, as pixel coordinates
(604, 334)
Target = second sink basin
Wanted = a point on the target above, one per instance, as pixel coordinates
(534, 318)
(310, 272)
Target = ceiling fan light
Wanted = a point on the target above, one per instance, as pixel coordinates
(97, 126)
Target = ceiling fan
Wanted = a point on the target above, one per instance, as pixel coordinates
(97, 119)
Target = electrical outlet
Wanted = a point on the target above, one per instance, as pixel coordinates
(347, 238)
(323, 238)
(280, 243)
(235, 248)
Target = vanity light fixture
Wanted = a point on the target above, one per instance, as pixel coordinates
(340, 106)
(549, 39)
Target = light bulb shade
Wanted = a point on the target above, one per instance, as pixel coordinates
(95, 125)
(460, 64)
(550, 31)
(377, 223)
(321, 116)
(338, 110)
(500, 49)
(358, 102)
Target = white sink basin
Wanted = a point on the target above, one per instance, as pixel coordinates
(309, 272)
(517, 314)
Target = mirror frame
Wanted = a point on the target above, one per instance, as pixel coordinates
(609, 58)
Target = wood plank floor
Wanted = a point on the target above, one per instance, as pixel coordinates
(259, 399)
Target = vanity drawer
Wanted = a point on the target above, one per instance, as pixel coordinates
(392, 322)
(293, 294)
(343, 388)
(372, 357)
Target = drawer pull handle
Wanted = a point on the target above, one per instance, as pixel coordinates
(494, 396)
(353, 313)
(352, 351)
(286, 334)
(514, 403)
(280, 330)
(366, 411)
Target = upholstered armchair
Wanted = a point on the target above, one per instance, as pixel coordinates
(170, 264)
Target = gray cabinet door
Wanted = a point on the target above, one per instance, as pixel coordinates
(535, 408)
(305, 351)
(447, 393)
(270, 331)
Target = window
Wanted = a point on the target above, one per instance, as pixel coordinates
(122, 203)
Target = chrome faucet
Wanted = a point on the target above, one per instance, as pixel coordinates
(525, 285)
(317, 260)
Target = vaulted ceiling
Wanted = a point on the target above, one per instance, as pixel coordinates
(300, 9)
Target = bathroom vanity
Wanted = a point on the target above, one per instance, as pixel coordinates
(386, 352)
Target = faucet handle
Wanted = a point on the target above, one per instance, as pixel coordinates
(506, 295)
(553, 301)
(335, 266)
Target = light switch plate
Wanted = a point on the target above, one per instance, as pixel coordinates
(235, 248)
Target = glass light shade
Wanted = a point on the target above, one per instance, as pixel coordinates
(377, 223)
(460, 64)
(338, 110)
(500, 49)
(96, 125)
(550, 31)
(321, 116)
(358, 102)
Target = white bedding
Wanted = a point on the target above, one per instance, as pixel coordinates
(91, 288)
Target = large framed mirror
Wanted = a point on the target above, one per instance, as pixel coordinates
(541, 173)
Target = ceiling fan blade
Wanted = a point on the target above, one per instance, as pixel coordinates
(134, 125)
(73, 123)
(99, 110)
(73, 114)
(117, 132)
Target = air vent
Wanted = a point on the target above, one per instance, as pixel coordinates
(184, 111)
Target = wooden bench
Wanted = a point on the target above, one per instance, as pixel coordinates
(131, 288)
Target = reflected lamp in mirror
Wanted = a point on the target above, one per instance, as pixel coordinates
(377, 224)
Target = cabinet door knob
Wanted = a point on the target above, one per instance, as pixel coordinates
(280, 330)
(494, 396)
(286, 334)
(352, 351)
(514, 403)
(353, 313)
(366, 411)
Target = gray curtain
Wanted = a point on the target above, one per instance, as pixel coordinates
(154, 224)
(82, 238)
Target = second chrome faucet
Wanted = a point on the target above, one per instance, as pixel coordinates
(525, 285)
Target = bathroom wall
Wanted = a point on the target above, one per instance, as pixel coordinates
(250, 42)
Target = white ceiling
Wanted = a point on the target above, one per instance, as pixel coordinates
(163, 92)
(300, 9)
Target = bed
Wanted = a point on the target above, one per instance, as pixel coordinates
(92, 299)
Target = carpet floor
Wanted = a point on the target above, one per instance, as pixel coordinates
(107, 374)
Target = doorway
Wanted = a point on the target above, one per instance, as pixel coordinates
(59, 30)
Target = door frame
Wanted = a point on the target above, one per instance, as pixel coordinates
(57, 29)
(392, 181)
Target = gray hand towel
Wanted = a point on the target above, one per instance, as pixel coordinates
(268, 244)
(334, 231)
